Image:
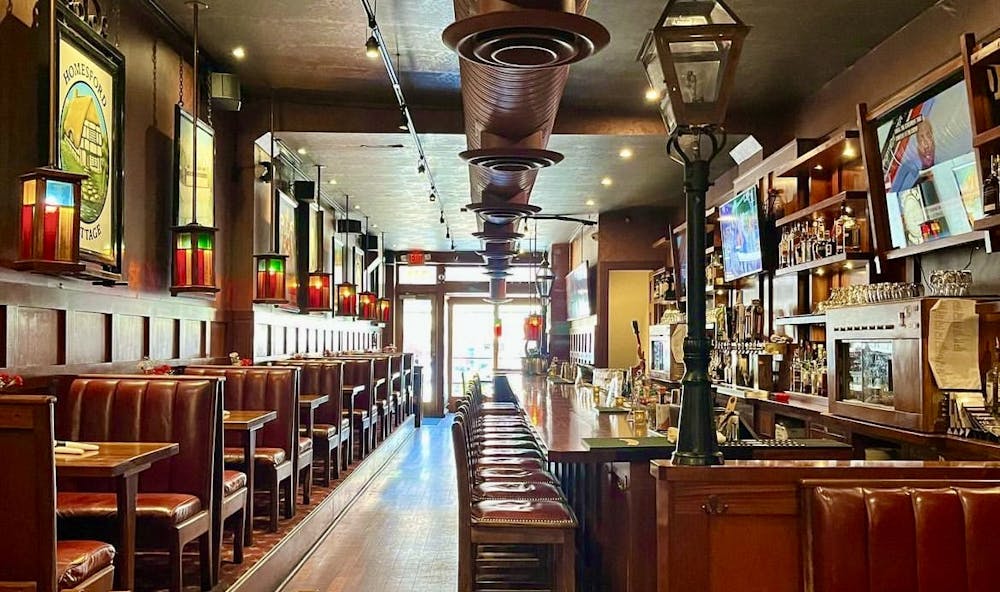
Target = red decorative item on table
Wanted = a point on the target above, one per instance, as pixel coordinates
(10, 380)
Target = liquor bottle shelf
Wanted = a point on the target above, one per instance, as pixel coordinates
(846, 260)
(941, 243)
(843, 148)
(990, 135)
(855, 199)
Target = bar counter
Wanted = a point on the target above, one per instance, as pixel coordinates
(608, 482)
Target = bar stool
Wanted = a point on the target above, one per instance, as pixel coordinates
(547, 523)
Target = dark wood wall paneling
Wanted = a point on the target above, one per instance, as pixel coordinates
(625, 243)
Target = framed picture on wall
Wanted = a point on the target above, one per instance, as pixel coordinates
(90, 123)
(186, 174)
(287, 242)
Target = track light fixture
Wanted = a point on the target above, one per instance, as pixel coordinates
(372, 49)
(447, 233)
(442, 217)
(375, 48)
(452, 244)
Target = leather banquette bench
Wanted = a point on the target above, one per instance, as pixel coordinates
(33, 557)
(177, 497)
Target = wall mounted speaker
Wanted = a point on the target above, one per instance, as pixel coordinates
(224, 90)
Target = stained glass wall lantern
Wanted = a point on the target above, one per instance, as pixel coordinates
(50, 221)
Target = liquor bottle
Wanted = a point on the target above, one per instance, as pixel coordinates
(993, 380)
(991, 187)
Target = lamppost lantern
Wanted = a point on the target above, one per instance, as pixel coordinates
(690, 60)
(544, 280)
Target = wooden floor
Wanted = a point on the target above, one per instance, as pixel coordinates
(401, 535)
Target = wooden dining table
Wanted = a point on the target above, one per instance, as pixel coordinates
(307, 408)
(120, 462)
(247, 422)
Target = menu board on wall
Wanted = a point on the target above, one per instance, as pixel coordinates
(931, 183)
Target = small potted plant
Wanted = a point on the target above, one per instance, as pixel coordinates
(9, 382)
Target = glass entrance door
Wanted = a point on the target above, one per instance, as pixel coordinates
(418, 338)
(484, 339)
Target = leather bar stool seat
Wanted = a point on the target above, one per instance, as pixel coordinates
(526, 475)
(501, 429)
(520, 463)
(508, 452)
(233, 481)
(516, 490)
(77, 561)
(272, 456)
(165, 508)
(506, 435)
(502, 420)
(520, 444)
(533, 513)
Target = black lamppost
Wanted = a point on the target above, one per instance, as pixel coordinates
(690, 60)
(544, 280)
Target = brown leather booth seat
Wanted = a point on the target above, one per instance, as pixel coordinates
(264, 388)
(174, 503)
(29, 548)
(882, 537)
(331, 430)
(78, 561)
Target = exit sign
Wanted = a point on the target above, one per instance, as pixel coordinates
(416, 258)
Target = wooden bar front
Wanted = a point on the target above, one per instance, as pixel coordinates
(739, 526)
(609, 485)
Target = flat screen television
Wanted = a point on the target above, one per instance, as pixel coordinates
(681, 263)
(739, 219)
(578, 303)
(932, 187)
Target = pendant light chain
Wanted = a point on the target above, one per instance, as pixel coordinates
(195, 7)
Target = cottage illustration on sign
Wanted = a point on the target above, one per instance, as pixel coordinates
(85, 147)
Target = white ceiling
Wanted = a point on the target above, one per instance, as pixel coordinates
(384, 184)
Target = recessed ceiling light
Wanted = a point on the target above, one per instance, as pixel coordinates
(302, 151)
(607, 182)
(357, 207)
(590, 202)
(374, 225)
(239, 53)
(652, 95)
(850, 151)
(626, 153)
(333, 181)
(818, 167)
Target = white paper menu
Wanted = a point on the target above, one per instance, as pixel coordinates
(953, 344)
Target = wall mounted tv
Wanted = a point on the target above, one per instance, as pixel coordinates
(741, 241)
(578, 303)
(932, 186)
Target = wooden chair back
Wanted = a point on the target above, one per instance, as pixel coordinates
(28, 491)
